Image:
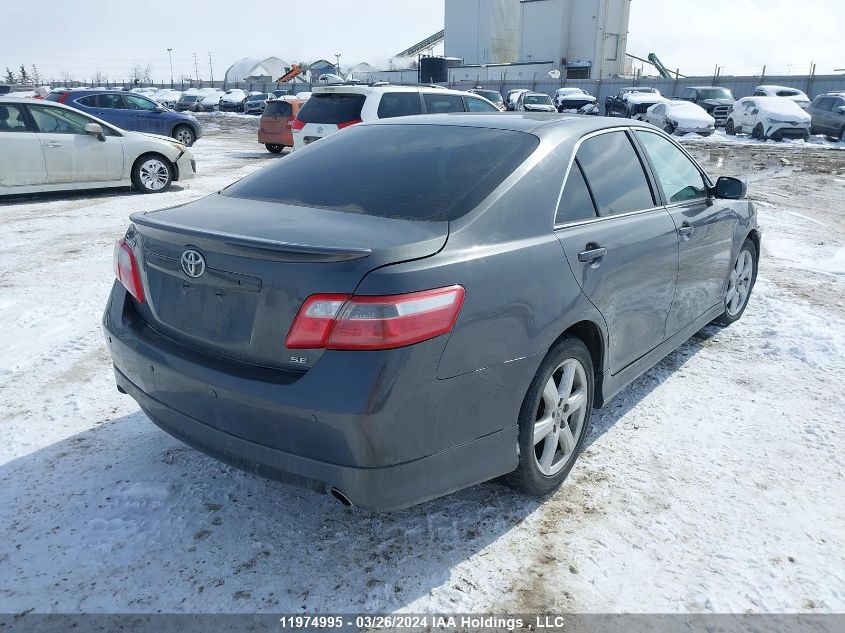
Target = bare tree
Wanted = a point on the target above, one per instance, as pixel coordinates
(139, 74)
(100, 78)
(66, 78)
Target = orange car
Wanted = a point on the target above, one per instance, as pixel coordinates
(274, 129)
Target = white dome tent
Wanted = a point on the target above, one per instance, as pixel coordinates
(253, 69)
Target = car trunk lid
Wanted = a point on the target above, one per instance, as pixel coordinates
(257, 262)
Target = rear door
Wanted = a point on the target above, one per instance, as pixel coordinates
(70, 154)
(621, 244)
(705, 230)
(21, 156)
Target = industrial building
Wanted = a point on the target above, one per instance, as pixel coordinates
(584, 39)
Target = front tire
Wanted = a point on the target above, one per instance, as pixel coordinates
(184, 134)
(152, 173)
(741, 282)
(273, 148)
(730, 130)
(554, 419)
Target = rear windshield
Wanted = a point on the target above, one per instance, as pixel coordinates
(413, 172)
(189, 98)
(715, 93)
(332, 108)
(278, 108)
(537, 100)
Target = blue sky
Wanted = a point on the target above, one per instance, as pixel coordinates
(109, 36)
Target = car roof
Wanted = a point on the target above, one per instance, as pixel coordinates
(536, 123)
(706, 87)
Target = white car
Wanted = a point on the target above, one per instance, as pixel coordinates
(147, 92)
(681, 117)
(233, 100)
(332, 108)
(512, 97)
(793, 94)
(535, 102)
(572, 99)
(47, 146)
(768, 117)
(167, 97)
(211, 100)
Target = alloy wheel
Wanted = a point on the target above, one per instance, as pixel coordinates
(739, 285)
(154, 174)
(559, 420)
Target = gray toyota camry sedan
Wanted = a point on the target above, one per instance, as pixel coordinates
(420, 304)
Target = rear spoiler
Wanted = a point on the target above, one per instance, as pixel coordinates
(243, 245)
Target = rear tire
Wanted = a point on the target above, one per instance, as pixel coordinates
(730, 130)
(184, 134)
(273, 148)
(741, 282)
(152, 173)
(554, 419)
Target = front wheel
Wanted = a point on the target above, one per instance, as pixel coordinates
(152, 173)
(669, 129)
(740, 283)
(273, 148)
(730, 130)
(184, 135)
(554, 419)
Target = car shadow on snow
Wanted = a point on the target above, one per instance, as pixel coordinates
(124, 517)
(77, 194)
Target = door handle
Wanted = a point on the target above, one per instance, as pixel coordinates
(593, 252)
(52, 144)
(686, 231)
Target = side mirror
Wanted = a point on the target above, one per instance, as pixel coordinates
(95, 129)
(840, 110)
(755, 111)
(730, 188)
(159, 108)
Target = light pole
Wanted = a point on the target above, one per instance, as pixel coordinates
(337, 67)
(170, 55)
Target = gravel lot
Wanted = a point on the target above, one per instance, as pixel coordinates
(713, 484)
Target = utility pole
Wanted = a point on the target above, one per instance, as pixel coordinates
(196, 68)
(170, 55)
(210, 67)
(337, 66)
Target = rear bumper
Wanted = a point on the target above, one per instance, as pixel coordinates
(271, 138)
(378, 426)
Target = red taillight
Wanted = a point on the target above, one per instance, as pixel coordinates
(296, 125)
(340, 126)
(126, 269)
(344, 322)
(62, 97)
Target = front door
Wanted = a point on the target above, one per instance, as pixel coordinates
(144, 116)
(705, 228)
(21, 156)
(620, 244)
(70, 154)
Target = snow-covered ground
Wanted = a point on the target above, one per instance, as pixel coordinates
(714, 483)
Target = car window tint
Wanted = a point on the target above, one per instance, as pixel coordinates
(435, 103)
(58, 120)
(278, 109)
(332, 108)
(615, 174)
(415, 172)
(576, 203)
(395, 104)
(134, 102)
(477, 105)
(89, 102)
(825, 104)
(12, 119)
(113, 102)
(678, 176)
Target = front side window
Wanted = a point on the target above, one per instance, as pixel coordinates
(134, 102)
(825, 103)
(58, 120)
(615, 174)
(576, 203)
(435, 103)
(677, 174)
(477, 105)
(394, 104)
(12, 119)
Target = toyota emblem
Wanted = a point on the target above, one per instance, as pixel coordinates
(193, 263)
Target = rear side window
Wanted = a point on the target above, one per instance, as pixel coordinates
(114, 102)
(332, 108)
(89, 102)
(576, 203)
(435, 103)
(413, 172)
(394, 104)
(12, 119)
(615, 174)
(278, 108)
